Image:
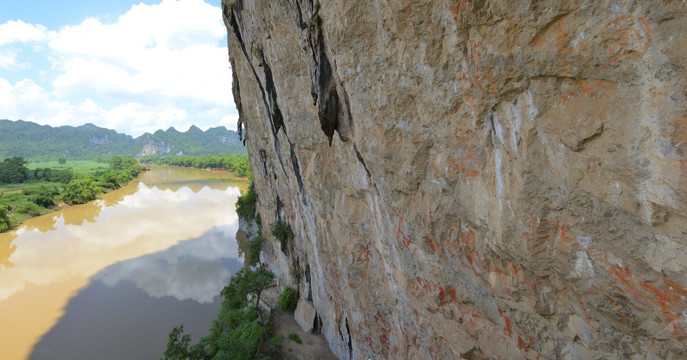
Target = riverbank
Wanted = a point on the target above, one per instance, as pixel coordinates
(42, 188)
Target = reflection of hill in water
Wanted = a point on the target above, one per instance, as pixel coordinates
(195, 186)
(107, 327)
(174, 178)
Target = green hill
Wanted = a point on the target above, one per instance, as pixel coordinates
(89, 142)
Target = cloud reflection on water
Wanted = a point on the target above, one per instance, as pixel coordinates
(193, 269)
(148, 221)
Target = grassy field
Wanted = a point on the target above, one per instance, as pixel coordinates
(79, 166)
(10, 188)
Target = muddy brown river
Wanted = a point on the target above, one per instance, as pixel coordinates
(109, 279)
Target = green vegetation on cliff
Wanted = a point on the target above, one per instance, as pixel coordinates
(280, 230)
(288, 300)
(245, 205)
(254, 249)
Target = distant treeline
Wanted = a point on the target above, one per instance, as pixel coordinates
(89, 142)
(32, 193)
(238, 164)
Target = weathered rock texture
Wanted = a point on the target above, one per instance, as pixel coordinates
(485, 179)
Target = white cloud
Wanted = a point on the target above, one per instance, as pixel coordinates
(165, 51)
(137, 118)
(27, 97)
(26, 100)
(19, 31)
(8, 59)
(156, 66)
(229, 121)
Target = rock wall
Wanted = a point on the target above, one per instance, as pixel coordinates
(152, 147)
(476, 179)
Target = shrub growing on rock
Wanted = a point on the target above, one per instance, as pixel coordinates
(245, 206)
(288, 299)
(254, 248)
(280, 230)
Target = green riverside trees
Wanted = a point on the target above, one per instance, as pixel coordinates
(13, 171)
(81, 191)
(239, 327)
(5, 222)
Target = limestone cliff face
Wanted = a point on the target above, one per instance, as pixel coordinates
(152, 147)
(485, 179)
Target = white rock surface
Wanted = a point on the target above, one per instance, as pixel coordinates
(305, 315)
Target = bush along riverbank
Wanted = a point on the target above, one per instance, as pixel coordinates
(28, 191)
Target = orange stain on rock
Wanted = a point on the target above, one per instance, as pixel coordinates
(430, 243)
(447, 293)
(404, 238)
(664, 299)
(675, 287)
(624, 275)
(625, 39)
(521, 344)
(468, 238)
(508, 328)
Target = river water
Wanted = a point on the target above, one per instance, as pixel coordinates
(110, 279)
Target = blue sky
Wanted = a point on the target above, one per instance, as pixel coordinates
(126, 65)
